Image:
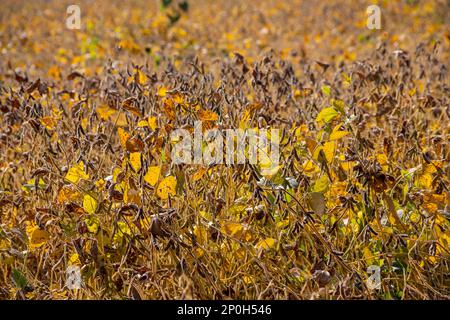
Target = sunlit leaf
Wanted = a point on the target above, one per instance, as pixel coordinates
(152, 175)
(266, 244)
(321, 185)
(77, 172)
(89, 204)
(135, 161)
(36, 236)
(167, 187)
(326, 115)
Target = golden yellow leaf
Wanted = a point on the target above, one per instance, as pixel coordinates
(142, 124)
(178, 98)
(37, 237)
(105, 112)
(122, 230)
(199, 174)
(92, 223)
(207, 115)
(141, 78)
(77, 172)
(48, 122)
(74, 259)
(201, 234)
(167, 186)
(326, 115)
(67, 193)
(233, 229)
(152, 175)
(152, 123)
(120, 119)
(382, 160)
(89, 204)
(426, 180)
(132, 195)
(310, 166)
(162, 92)
(321, 185)
(31, 184)
(135, 161)
(266, 244)
(347, 165)
(329, 148)
(123, 136)
(54, 72)
(336, 135)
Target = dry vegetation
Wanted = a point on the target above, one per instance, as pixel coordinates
(85, 171)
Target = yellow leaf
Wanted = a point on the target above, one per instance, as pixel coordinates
(310, 166)
(201, 234)
(76, 172)
(54, 72)
(92, 223)
(382, 160)
(116, 172)
(89, 204)
(37, 237)
(166, 186)
(321, 184)
(326, 115)
(199, 174)
(141, 77)
(152, 175)
(74, 259)
(162, 92)
(84, 123)
(348, 165)
(123, 136)
(368, 255)
(120, 119)
(267, 243)
(283, 224)
(152, 123)
(67, 193)
(268, 167)
(31, 184)
(122, 230)
(233, 229)
(329, 148)
(336, 135)
(48, 122)
(244, 119)
(100, 184)
(429, 169)
(302, 93)
(178, 98)
(426, 181)
(207, 115)
(270, 170)
(142, 124)
(199, 252)
(135, 161)
(105, 112)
